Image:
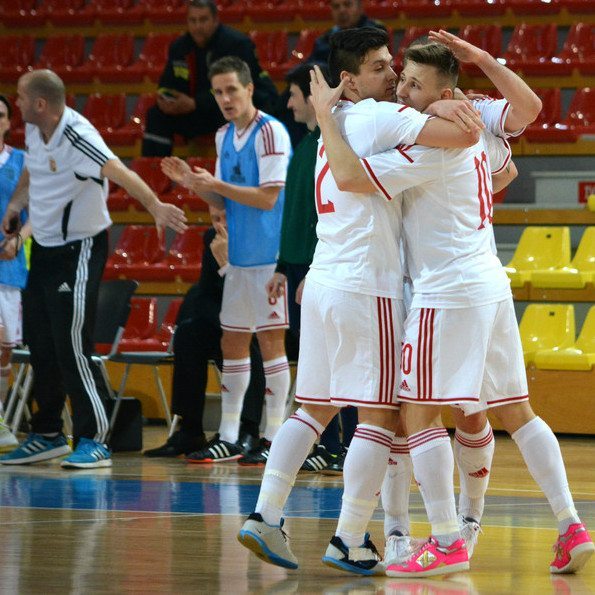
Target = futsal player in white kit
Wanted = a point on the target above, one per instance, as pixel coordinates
(462, 345)
(351, 315)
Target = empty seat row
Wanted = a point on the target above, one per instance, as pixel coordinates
(142, 331)
(149, 169)
(543, 259)
(140, 254)
(128, 12)
(532, 49)
(548, 334)
(110, 60)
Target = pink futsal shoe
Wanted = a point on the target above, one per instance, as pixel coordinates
(573, 549)
(432, 559)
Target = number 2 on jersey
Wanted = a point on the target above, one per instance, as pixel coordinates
(321, 206)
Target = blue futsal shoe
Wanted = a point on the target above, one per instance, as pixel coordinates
(36, 448)
(88, 455)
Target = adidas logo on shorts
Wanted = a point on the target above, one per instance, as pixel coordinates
(273, 316)
(404, 386)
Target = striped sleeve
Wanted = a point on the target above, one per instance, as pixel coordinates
(90, 148)
(273, 148)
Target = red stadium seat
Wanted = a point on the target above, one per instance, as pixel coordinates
(426, 8)
(110, 55)
(231, 11)
(382, 9)
(547, 127)
(20, 13)
(67, 12)
(487, 37)
(62, 54)
(579, 48)
(410, 35)
(141, 324)
(17, 55)
(149, 169)
(136, 122)
(152, 58)
(314, 10)
(534, 6)
(579, 6)
(531, 49)
(481, 8)
(264, 11)
(184, 258)
(136, 252)
(117, 12)
(108, 114)
(161, 339)
(165, 11)
(303, 48)
(272, 50)
(581, 113)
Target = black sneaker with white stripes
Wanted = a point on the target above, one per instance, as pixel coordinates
(258, 456)
(320, 458)
(217, 451)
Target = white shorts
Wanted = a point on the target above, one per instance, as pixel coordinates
(11, 316)
(246, 307)
(349, 344)
(469, 357)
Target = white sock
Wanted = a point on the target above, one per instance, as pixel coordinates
(235, 379)
(4, 377)
(474, 454)
(288, 452)
(543, 458)
(396, 487)
(363, 471)
(276, 373)
(433, 467)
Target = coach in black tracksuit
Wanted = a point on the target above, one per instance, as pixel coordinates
(185, 104)
(65, 185)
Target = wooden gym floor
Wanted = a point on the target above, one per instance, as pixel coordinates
(162, 526)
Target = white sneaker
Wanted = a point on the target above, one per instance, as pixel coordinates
(470, 531)
(399, 548)
(8, 440)
(268, 542)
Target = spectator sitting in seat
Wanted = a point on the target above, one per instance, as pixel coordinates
(197, 340)
(185, 104)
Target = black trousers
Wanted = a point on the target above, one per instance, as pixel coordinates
(59, 305)
(196, 341)
(160, 129)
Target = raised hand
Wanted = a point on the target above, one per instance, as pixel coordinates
(463, 50)
(175, 169)
(323, 97)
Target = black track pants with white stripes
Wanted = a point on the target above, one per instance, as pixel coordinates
(59, 306)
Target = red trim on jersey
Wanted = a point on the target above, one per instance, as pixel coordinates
(506, 159)
(280, 183)
(298, 418)
(503, 116)
(376, 180)
(257, 117)
(321, 151)
(402, 149)
(402, 109)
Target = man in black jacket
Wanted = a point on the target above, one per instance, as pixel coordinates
(185, 104)
(197, 340)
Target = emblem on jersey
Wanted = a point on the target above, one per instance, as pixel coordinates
(404, 386)
(236, 175)
(53, 167)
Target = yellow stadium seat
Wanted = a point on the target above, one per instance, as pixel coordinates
(539, 248)
(591, 202)
(580, 271)
(546, 326)
(581, 356)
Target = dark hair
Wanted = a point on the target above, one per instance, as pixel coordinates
(231, 64)
(8, 105)
(437, 55)
(349, 48)
(210, 4)
(300, 76)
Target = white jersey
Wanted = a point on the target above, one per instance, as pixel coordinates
(358, 234)
(447, 223)
(67, 193)
(493, 114)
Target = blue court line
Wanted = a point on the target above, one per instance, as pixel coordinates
(83, 492)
